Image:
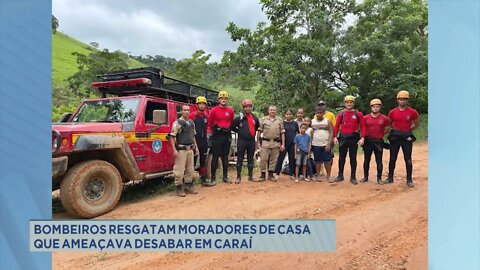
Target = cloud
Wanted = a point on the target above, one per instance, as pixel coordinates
(146, 27)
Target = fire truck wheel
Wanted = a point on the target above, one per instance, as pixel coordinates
(91, 188)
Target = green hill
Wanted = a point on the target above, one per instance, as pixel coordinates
(64, 63)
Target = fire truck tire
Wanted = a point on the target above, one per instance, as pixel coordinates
(91, 188)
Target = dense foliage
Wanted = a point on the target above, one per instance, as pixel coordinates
(307, 51)
(312, 50)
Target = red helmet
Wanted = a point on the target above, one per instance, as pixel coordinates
(247, 102)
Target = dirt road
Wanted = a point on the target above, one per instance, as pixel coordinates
(378, 227)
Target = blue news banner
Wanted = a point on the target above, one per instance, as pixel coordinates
(183, 235)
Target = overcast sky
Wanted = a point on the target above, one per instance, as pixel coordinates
(172, 28)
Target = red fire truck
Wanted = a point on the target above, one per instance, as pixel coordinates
(118, 138)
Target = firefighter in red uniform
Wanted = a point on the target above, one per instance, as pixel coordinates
(404, 120)
(349, 122)
(200, 119)
(219, 121)
(376, 124)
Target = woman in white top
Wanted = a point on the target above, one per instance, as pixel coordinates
(322, 139)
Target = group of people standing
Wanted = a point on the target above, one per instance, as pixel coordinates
(309, 143)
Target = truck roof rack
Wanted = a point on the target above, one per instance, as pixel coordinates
(152, 82)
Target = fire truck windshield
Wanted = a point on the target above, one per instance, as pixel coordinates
(108, 110)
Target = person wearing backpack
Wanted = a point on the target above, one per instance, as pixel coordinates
(404, 120)
(184, 145)
(376, 124)
(350, 129)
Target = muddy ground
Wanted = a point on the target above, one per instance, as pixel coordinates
(378, 227)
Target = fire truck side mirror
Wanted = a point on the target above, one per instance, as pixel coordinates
(159, 117)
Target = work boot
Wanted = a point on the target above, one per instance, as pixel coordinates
(213, 181)
(364, 179)
(205, 183)
(379, 180)
(389, 180)
(339, 178)
(181, 190)
(189, 189)
(227, 180)
(410, 183)
(353, 180)
(262, 177)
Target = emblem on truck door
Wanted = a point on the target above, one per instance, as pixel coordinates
(157, 145)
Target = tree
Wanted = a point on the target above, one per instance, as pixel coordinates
(167, 64)
(193, 69)
(295, 55)
(386, 51)
(308, 52)
(96, 63)
(54, 24)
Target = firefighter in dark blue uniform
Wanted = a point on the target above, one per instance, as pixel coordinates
(246, 126)
(200, 119)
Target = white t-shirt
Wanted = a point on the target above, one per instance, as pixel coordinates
(320, 132)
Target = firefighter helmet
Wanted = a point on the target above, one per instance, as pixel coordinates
(403, 94)
(223, 94)
(349, 98)
(201, 99)
(375, 101)
(247, 102)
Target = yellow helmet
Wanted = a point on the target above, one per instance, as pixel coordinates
(349, 98)
(201, 99)
(223, 94)
(375, 101)
(403, 94)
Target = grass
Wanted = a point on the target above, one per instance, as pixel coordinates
(422, 131)
(64, 64)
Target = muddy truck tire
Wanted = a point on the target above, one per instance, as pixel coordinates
(91, 188)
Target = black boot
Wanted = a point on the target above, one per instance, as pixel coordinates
(389, 180)
(205, 183)
(353, 180)
(339, 178)
(379, 180)
(213, 181)
(181, 191)
(410, 183)
(262, 177)
(189, 189)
